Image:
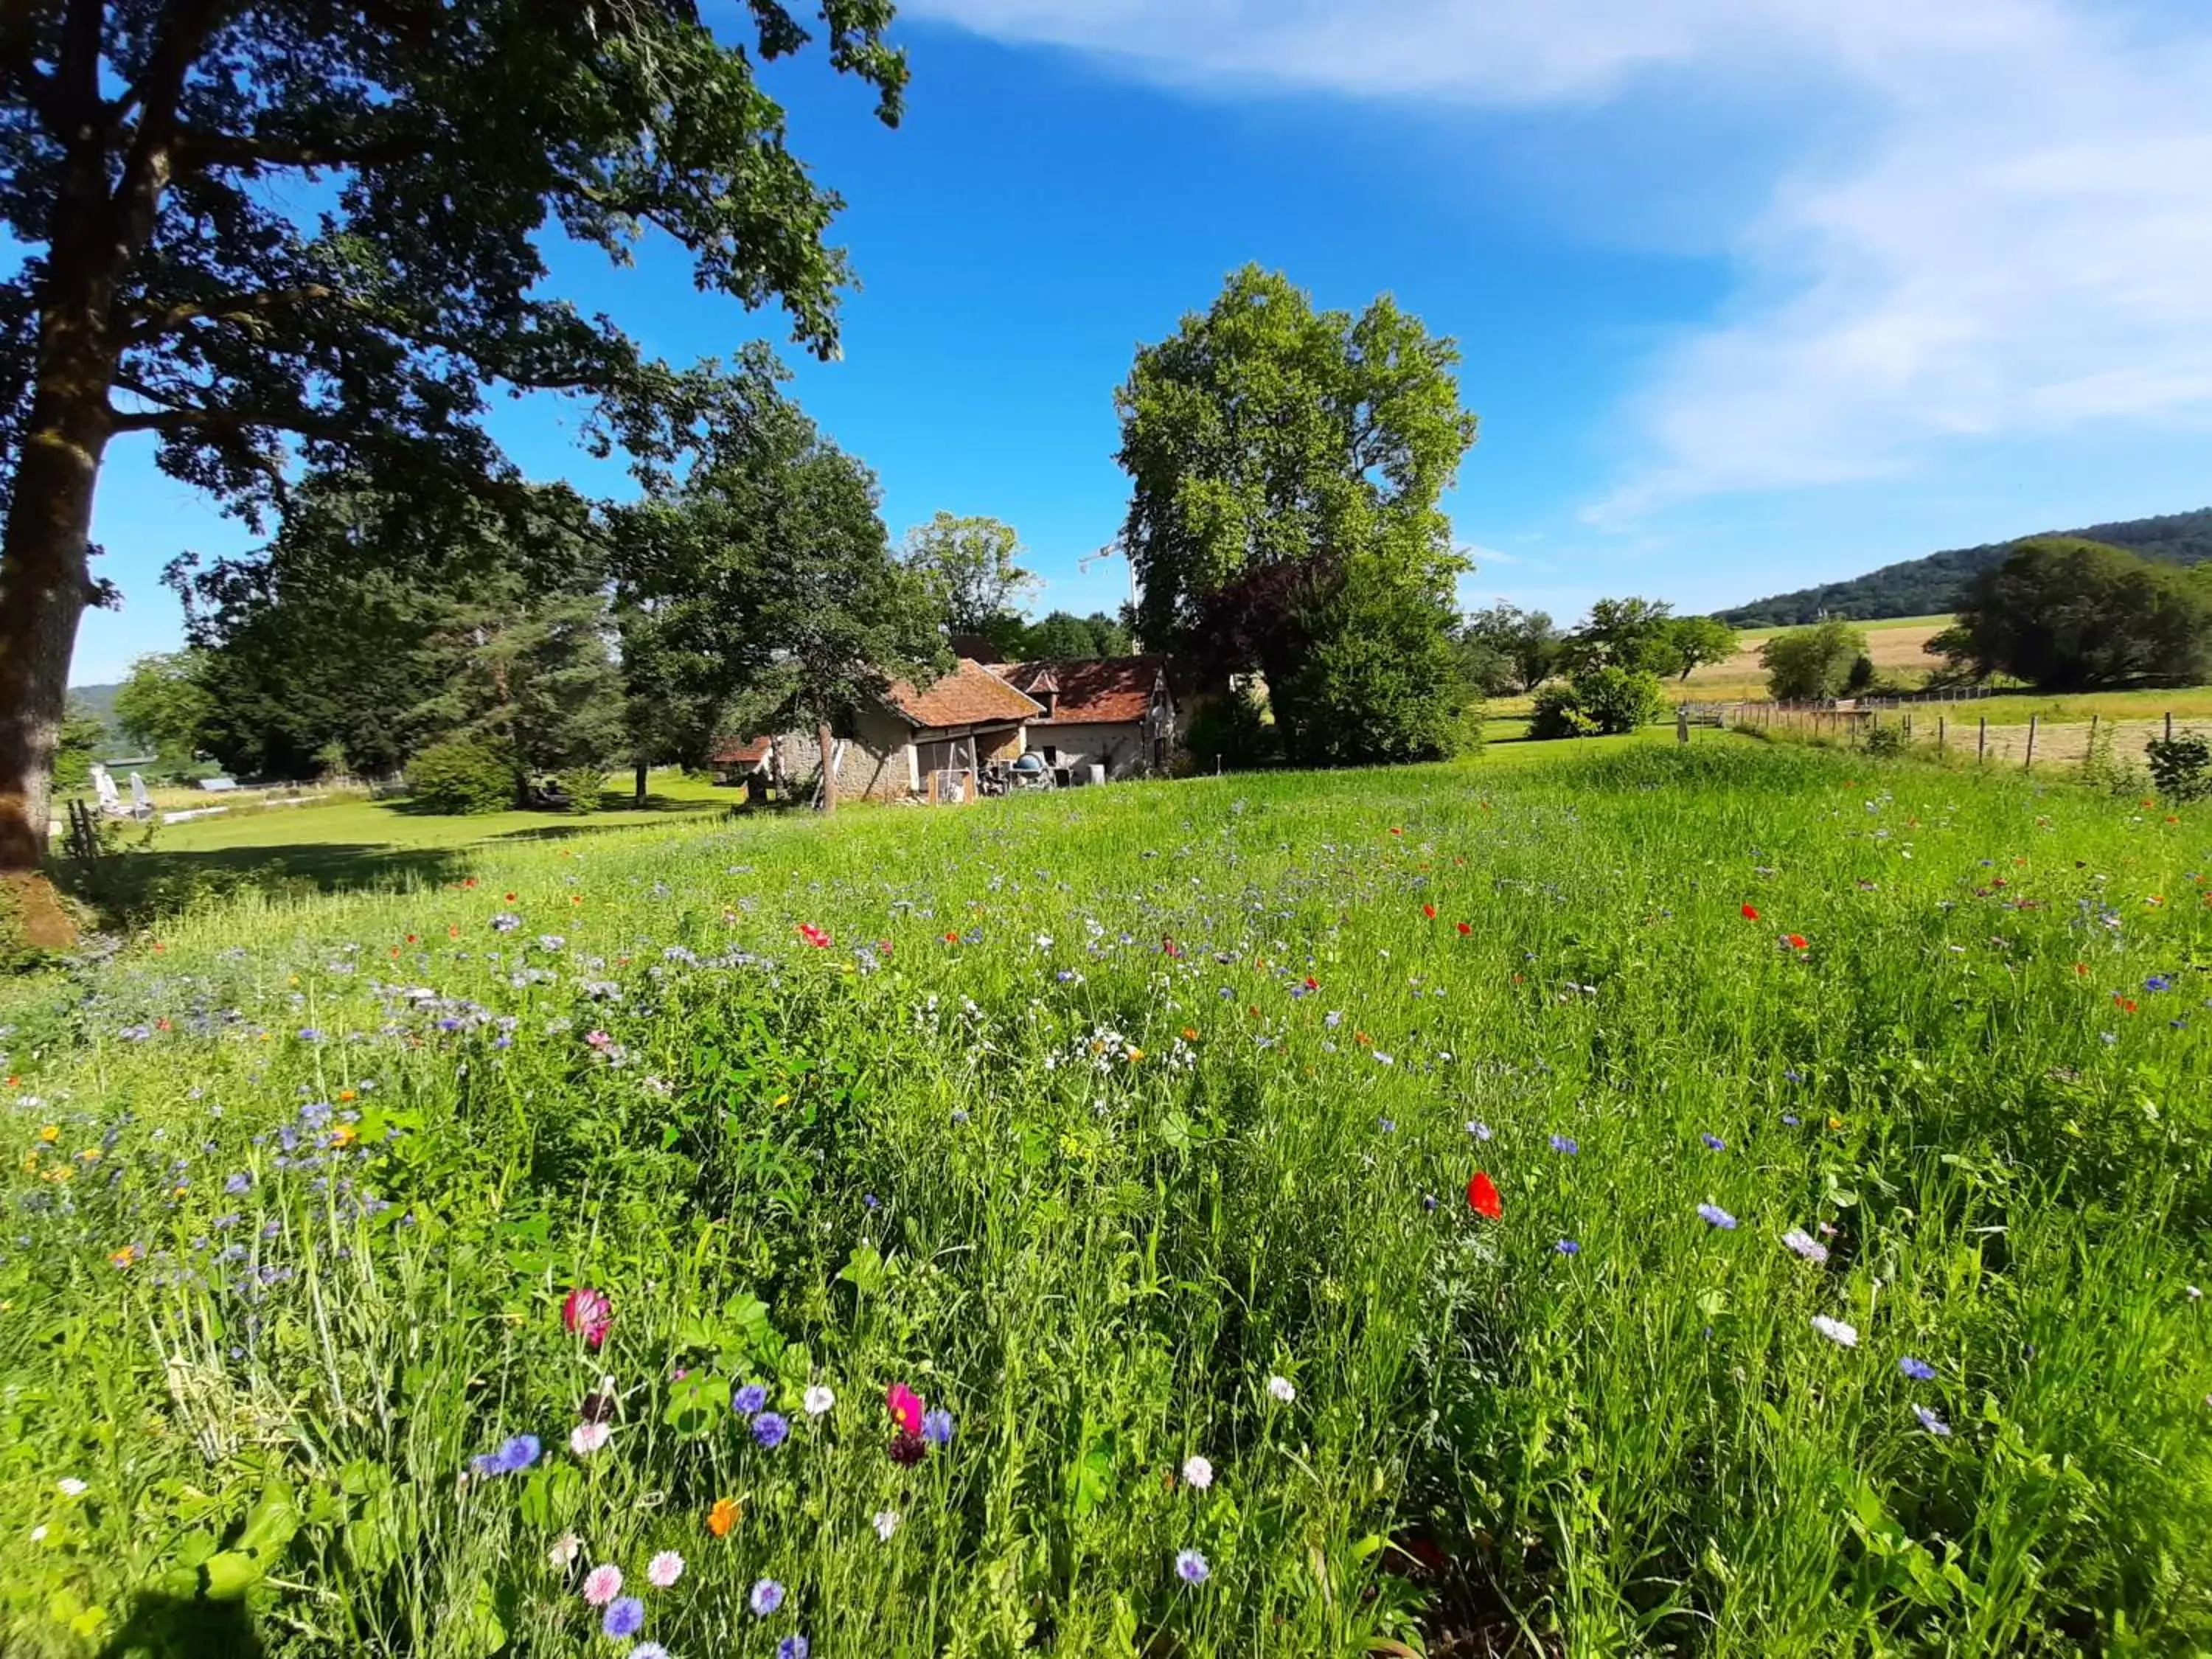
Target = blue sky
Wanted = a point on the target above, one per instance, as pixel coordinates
(1751, 293)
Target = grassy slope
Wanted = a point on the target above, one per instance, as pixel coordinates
(1090, 1196)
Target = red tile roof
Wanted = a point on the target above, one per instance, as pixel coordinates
(740, 751)
(1096, 691)
(971, 694)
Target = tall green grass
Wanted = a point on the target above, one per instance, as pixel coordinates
(1097, 1116)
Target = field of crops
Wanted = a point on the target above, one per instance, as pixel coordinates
(1736, 1201)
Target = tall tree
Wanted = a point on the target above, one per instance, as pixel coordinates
(970, 565)
(1268, 445)
(162, 704)
(1636, 635)
(148, 149)
(2064, 613)
(1525, 644)
(1811, 664)
(1694, 641)
(776, 597)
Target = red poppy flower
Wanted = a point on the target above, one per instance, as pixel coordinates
(1312, 984)
(813, 935)
(1429, 911)
(1482, 1197)
(1796, 941)
(951, 937)
(1169, 947)
(2127, 1003)
(1751, 913)
(1465, 930)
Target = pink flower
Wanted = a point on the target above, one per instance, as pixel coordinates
(587, 1437)
(597, 1039)
(602, 1584)
(588, 1313)
(906, 1405)
(664, 1569)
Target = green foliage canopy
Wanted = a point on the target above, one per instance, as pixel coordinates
(2065, 614)
(1805, 665)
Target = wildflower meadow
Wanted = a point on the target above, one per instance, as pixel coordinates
(1728, 1200)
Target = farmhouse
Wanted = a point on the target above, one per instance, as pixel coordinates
(964, 721)
(1113, 711)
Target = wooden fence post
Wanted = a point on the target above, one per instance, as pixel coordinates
(2089, 754)
(1982, 743)
(2027, 764)
(2169, 726)
(1942, 730)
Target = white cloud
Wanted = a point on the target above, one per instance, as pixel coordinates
(2018, 247)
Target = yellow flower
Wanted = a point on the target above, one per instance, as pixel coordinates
(90, 1155)
(781, 1100)
(125, 1256)
(30, 1163)
(1135, 1055)
(51, 1133)
(343, 1133)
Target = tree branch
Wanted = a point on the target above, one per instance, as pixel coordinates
(152, 324)
(20, 74)
(196, 151)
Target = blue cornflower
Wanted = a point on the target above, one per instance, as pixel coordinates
(1568, 1247)
(309, 1034)
(750, 1398)
(1562, 1144)
(1792, 1076)
(515, 1455)
(1388, 1126)
(1191, 1566)
(1918, 1370)
(240, 1183)
(1478, 1128)
(1789, 1118)
(767, 1596)
(1714, 1216)
(792, 1647)
(771, 1429)
(937, 1427)
(1429, 1201)
(2158, 983)
(869, 1201)
(624, 1617)
(1930, 1421)
(1714, 1143)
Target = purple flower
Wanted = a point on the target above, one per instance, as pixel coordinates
(792, 1647)
(1789, 1118)
(1478, 1129)
(750, 1398)
(1388, 1126)
(1802, 1242)
(767, 1596)
(1714, 1216)
(1714, 1143)
(1918, 1370)
(515, 1455)
(1192, 1567)
(240, 1183)
(771, 1429)
(504, 923)
(937, 1427)
(1561, 1144)
(1930, 1421)
(624, 1617)
(2158, 983)
(1568, 1247)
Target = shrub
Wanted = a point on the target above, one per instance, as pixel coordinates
(583, 785)
(1885, 741)
(1381, 681)
(1233, 731)
(2181, 766)
(1619, 700)
(462, 776)
(1558, 712)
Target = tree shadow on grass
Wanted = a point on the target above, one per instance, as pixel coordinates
(131, 889)
(185, 1628)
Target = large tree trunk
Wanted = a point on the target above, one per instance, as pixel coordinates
(43, 588)
(828, 768)
(642, 770)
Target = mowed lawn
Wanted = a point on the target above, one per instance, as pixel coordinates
(1591, 1199)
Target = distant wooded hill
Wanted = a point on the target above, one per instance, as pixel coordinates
(1922, 587)
(101, 698)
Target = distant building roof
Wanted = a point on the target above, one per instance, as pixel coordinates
(740, 751)
(971, 694)
(1092, 691)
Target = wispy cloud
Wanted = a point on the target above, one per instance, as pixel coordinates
(2017, 247)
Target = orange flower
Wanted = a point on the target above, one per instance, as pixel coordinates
(1362, 1039)
(722, 1517)
(1429, 911)
(1190, 1033)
